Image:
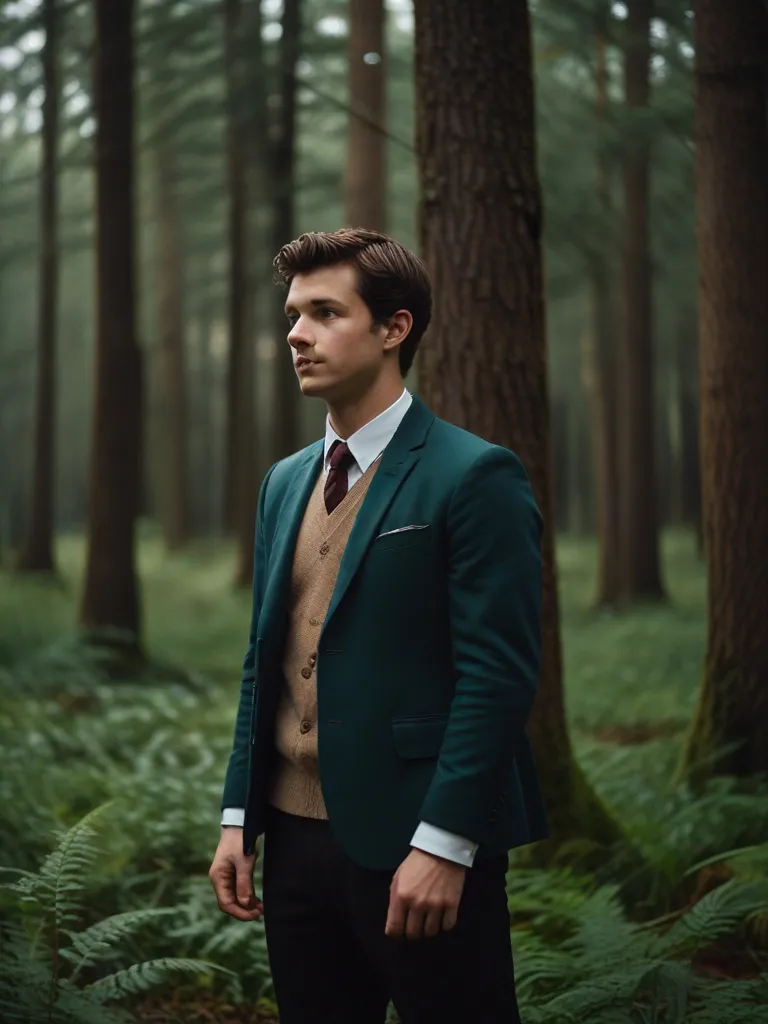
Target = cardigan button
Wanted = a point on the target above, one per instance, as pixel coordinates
(306, 672)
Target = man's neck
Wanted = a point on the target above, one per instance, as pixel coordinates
(347, 418)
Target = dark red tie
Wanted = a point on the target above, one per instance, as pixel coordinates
(337, 482)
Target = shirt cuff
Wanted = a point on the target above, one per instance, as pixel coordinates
(233, 816)
(444, 844)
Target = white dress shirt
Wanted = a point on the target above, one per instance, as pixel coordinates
(366, 445)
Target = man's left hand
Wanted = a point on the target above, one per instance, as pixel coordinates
(424, 896)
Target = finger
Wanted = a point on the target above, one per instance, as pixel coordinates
(396, 914)
(228, 904)
(414, 925)
(244, 886)
(223, 886)
(433, 923)
(450, 916)
(235, 910)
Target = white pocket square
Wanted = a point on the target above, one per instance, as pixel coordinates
(402, 529)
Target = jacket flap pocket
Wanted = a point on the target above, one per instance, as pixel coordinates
(419, 737)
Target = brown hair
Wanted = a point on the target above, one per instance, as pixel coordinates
(390, 277)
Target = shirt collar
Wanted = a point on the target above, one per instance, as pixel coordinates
(367, 443)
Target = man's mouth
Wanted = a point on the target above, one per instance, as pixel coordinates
(302, 361)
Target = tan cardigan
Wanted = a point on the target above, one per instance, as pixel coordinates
(295, 785)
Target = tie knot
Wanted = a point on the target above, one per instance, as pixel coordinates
(340, 455)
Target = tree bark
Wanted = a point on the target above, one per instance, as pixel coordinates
(284, 438)
(172, 440)
(688, 410)
(238, 254)
(638, 520)
(257, 156)
(483, 366)
(731, 174)
(600, 362)
(366, 175)
(36, 554)
(578, 495)
(110, 597)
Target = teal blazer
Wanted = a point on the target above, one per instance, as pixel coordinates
(428, 659)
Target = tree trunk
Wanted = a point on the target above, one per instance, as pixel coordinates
(366, 177)
(257, 155)
(578, 496)
(476, 137)
(732, 170)
(688, 409)
(110, 598)
(284, 438)
(558, 425)
(238, 253)
(638, 520)
(600, 363)
(172, 440)
(203, 433)
(36, 555)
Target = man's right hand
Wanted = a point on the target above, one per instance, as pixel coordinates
(231, 875)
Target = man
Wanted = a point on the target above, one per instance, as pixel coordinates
(394, 652)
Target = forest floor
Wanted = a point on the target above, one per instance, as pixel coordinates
(631, 682)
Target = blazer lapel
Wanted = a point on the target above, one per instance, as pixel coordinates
(280, 557)
(399, 458)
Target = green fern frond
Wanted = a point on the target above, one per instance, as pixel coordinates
(665, 992)
(603, 932)
(600, 992)
(64, 873)
(727, 1002)
(716, 914)
(77, 1006)
(90, 946)
(141, 977)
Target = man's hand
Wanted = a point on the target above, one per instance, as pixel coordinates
(424, 896)
(231, 875)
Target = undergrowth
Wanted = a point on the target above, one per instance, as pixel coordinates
(98, 906)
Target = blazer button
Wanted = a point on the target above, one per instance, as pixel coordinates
(306, 672)
(305, 726)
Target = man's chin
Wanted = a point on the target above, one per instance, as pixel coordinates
(313, 388)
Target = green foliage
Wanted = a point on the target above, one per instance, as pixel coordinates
(608, 948)
(48, 957)
(582, 959)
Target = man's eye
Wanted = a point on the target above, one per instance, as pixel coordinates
(292, 320)
(327, 313)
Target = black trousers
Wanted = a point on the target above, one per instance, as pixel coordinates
(331, 962)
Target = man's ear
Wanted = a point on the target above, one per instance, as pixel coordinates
(398, 329)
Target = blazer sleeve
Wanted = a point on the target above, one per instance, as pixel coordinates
(494, 587)
(236, 781)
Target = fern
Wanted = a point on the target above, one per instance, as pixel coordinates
(141, 977)
(585, 961)
(45, 946)
(100, 940)
(716, 914)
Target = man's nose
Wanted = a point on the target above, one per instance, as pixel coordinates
(300, 333)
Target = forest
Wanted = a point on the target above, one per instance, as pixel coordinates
(587, 182)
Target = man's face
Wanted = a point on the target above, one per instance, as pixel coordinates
(337, 350)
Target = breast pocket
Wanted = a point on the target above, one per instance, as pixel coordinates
(394, 540)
